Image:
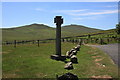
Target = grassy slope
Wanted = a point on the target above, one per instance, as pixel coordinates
(76, 30)
(28, 32)
(30, 61)
(38, 31)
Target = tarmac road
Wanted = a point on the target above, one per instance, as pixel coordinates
(112, 51)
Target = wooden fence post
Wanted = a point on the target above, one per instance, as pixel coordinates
(14, 43)
(33, 41)
(38, 42)
(63, 40)
(101, 41)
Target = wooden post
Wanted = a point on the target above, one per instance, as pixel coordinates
(14, 43)
(101, 41)
(63, 40)
(107, 40)
(89, 35)
(38, 42)
(33, 41)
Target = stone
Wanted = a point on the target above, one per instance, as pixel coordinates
(68, 76)
(57, 57)
(77, 48)
(73, 53)
(68, 66)
(68, 54)
(72, 50)
(73, 59)
(59, 21)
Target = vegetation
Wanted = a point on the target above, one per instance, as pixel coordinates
(29, 32)
(118, 28)
(77, 30)
(40, 31)
(30, 61)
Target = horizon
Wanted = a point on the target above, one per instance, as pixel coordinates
(99, 15)
(53, 27)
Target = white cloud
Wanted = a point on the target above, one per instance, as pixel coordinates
(77, 18)
(95, 13)
(39, 9)
(94, 17)
(70, 11)
(59, 0)
(110, 6)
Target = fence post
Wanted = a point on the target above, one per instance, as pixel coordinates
(108, 40)
(14, 43)
(63, 40)
(73, 41)
(89, 36)
(101, 41)
(33, 41)
(38, 42)
(81, 40)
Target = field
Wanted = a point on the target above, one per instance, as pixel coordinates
(31, 61)
(28, 60)
(42, 32)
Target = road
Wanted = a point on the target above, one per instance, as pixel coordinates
(112, 50)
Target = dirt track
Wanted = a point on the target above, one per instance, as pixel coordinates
(111, 50)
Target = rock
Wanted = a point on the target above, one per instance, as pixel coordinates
(68, 66)
(73, 53)
(68, 76)
(77, 48)
(103, 65)
(68, 54)
(57, 57)
(72, 50)
(73, 59)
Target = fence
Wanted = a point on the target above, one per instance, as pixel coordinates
(78, 40)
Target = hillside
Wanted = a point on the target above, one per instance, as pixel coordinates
(41, 31)
(29, 32)
(76, 30)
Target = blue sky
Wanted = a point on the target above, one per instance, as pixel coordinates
(101, 15)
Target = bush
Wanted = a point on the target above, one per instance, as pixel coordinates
(118, 28)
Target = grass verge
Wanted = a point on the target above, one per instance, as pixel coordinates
(30, 61)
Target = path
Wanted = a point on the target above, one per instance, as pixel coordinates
(111, 50)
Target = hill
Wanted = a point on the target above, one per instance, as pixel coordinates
(41, 31)
(28, 32)
(76, 30)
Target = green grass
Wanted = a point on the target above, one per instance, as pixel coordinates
(28, 32)
(77, 30)
(30, 61)
(40, 31)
